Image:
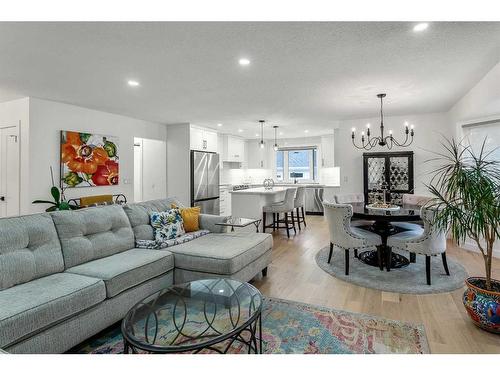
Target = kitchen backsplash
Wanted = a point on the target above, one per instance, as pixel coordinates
(244, 176)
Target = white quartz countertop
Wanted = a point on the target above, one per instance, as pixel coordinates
(261, 190)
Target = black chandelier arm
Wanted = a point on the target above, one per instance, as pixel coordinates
(405, 143)
(371, 142)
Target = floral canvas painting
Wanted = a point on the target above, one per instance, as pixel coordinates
(88, 160)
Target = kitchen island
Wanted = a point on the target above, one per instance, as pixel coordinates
(249, 202)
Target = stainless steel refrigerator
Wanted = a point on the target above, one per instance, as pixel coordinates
(205, 181)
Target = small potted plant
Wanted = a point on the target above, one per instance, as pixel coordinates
(466, 190)
(59, 203)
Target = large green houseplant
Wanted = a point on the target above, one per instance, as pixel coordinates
(466, 190)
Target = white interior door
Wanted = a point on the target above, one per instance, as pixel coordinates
(9, 171)
(150, 169)
(138, 169)
(154, 169)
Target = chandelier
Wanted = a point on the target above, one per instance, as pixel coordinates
(369, 142)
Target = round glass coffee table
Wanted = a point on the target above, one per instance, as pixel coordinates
(211, 315)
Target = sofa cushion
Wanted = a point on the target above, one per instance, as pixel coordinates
(29, 249)
(127, 269)
(223, 254)
(167, 224)
(93, 233)
(138, 214)
(38, 304)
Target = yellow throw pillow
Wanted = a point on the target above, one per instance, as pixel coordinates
(190, 217)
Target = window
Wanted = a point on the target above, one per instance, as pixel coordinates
(476, 133)
(298, 164)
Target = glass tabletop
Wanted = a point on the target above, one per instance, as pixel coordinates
(406, 211)
(192, 315)
(238, 222)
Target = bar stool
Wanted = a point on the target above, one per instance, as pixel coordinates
(299, 203)
(285, 207)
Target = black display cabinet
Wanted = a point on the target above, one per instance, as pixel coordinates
(390, 170)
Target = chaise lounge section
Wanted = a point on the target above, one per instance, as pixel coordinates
(67, 275)
(218, 254)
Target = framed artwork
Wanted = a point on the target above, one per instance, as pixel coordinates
(88, 160)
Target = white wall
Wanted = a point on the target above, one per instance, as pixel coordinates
(16, 112)
(179, 162)
(48, 118)
(482, 102)
(428, 130)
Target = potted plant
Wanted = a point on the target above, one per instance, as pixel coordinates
(466, 190)
(59, 203)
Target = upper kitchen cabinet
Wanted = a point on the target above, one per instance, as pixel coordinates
(234, 149)
(257, 158)
(203, 139)
(327, 151)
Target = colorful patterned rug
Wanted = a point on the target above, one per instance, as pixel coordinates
(293, 327)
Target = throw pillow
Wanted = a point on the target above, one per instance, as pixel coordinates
(190, 217)
(167, 225)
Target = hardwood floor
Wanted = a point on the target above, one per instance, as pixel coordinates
(294, 275)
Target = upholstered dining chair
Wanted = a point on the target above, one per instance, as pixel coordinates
(299, 203)
(427, 241)
(343, 235)
(284, 207)
(353, 198)
(415, 200)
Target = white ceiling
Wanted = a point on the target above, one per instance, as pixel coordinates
(302, 75)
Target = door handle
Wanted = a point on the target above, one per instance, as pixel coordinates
(2, 198)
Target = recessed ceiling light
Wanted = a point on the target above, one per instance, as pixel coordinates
(133, 83)
(420, 26)
(240, 130)
(244, 61)
(219, 125)
(256, 134)
(281, 133)
(306, 131)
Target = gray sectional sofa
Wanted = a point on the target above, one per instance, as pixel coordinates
(67, 275)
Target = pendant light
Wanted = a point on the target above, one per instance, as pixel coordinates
(261, 133)
(275, 137)
(383, 140)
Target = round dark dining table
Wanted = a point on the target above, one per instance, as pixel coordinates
(382, 226)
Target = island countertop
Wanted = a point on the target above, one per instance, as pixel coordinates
(262, 191)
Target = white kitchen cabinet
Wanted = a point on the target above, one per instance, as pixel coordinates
(225, 201)
(203, 140)
(210, 141)
(327, 151)
(257, 158)
(234, 149)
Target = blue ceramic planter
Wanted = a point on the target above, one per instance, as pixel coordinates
(483, 306)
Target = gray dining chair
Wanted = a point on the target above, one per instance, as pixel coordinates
(414, 200)
(353, 198)
(428, 241)
(345, 236)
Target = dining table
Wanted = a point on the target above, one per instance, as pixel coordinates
(382, 225)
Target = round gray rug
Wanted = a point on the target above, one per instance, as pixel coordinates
(410, 280)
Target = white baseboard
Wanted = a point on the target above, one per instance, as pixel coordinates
(470, 245)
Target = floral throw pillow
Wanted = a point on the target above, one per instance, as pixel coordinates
(167, 225)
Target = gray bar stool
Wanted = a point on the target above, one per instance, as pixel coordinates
(285, 207)
(299, 203)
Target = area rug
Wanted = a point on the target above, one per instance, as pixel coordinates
(292, 327)
(410, 279)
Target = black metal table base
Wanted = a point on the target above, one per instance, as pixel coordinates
(384, 229)
(371, 258)
(250, 336)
